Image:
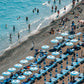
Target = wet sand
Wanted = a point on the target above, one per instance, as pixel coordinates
(13, 56)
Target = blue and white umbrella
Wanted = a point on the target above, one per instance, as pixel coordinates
(59, 38)
(1, 78)
(55, 53)
(15, 81)
(12, 69)
(64, 34)
(69, 44)
(33, 68)
(22, 77)
(50, 57)
(45, 47)
(18, 65)
(74, 73)
(27, 73)
(71, 36)
(54, 41)
(29, 58)
(79, 33)
(6, 73)
(74, 40)
(24, 61)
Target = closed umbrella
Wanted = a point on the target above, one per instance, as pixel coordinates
(12, 69)
(15, 81)
(18, 65)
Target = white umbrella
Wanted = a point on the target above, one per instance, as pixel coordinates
(74, 73)
(55, 53)
(50, 57)
(24, 61)
(1, 78)
(21, 77)
(15, 81)
(29, 58)
(54, 41)
(27, 73)
(33, 68)
(59, 38)
(18, 65)
(74, 40)
(45, 47)
(12, 69)
(6, 73)
(69, 44)
(64, 34)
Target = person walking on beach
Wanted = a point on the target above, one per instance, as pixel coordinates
(29, 27)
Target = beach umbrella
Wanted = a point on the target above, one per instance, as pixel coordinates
(23, 61)
(74, 73)
(69, 44)
(54, 41)
(55, 53)
(74, 40)
(22, 77)
(50, 57)
(12, 69)
(15, 81)
(29, 58)
(18, 66)
(59, 38)
(64, 34)
(33, 68)
(45, 47)
(71, 36)
(27, 73)
(1, 78)
(6, 73)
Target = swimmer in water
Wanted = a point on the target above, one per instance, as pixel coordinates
(13, 28)
(5, 25)
(26, 18)
(37, 10)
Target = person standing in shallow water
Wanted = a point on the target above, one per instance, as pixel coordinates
(26, 18)
(29, 27)
(18, 35)
(10, 37)
(55, 8)
(13, 28)
(52, 8)
(37, 10)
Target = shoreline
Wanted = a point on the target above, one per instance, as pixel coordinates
(14, 47)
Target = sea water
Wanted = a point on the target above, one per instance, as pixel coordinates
(10, 10)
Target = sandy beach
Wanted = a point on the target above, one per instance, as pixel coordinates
(13, 56)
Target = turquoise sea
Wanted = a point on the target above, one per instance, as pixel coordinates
(10, 10)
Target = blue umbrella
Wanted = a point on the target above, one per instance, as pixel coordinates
(56, 70)
(74, 73)
(1, 78)
(54, 41)
(6, 73)
(24, 61)
(29, 58)
(21, 77)
(69, 44)
(18, 66)
(27, 73)
(59, 38)
(64, 34)
(45, 47)
(15, 81)
(50, 57)
(79, 33)
(74, 40)
(33, 68)
(55, 53)
(12, 69)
